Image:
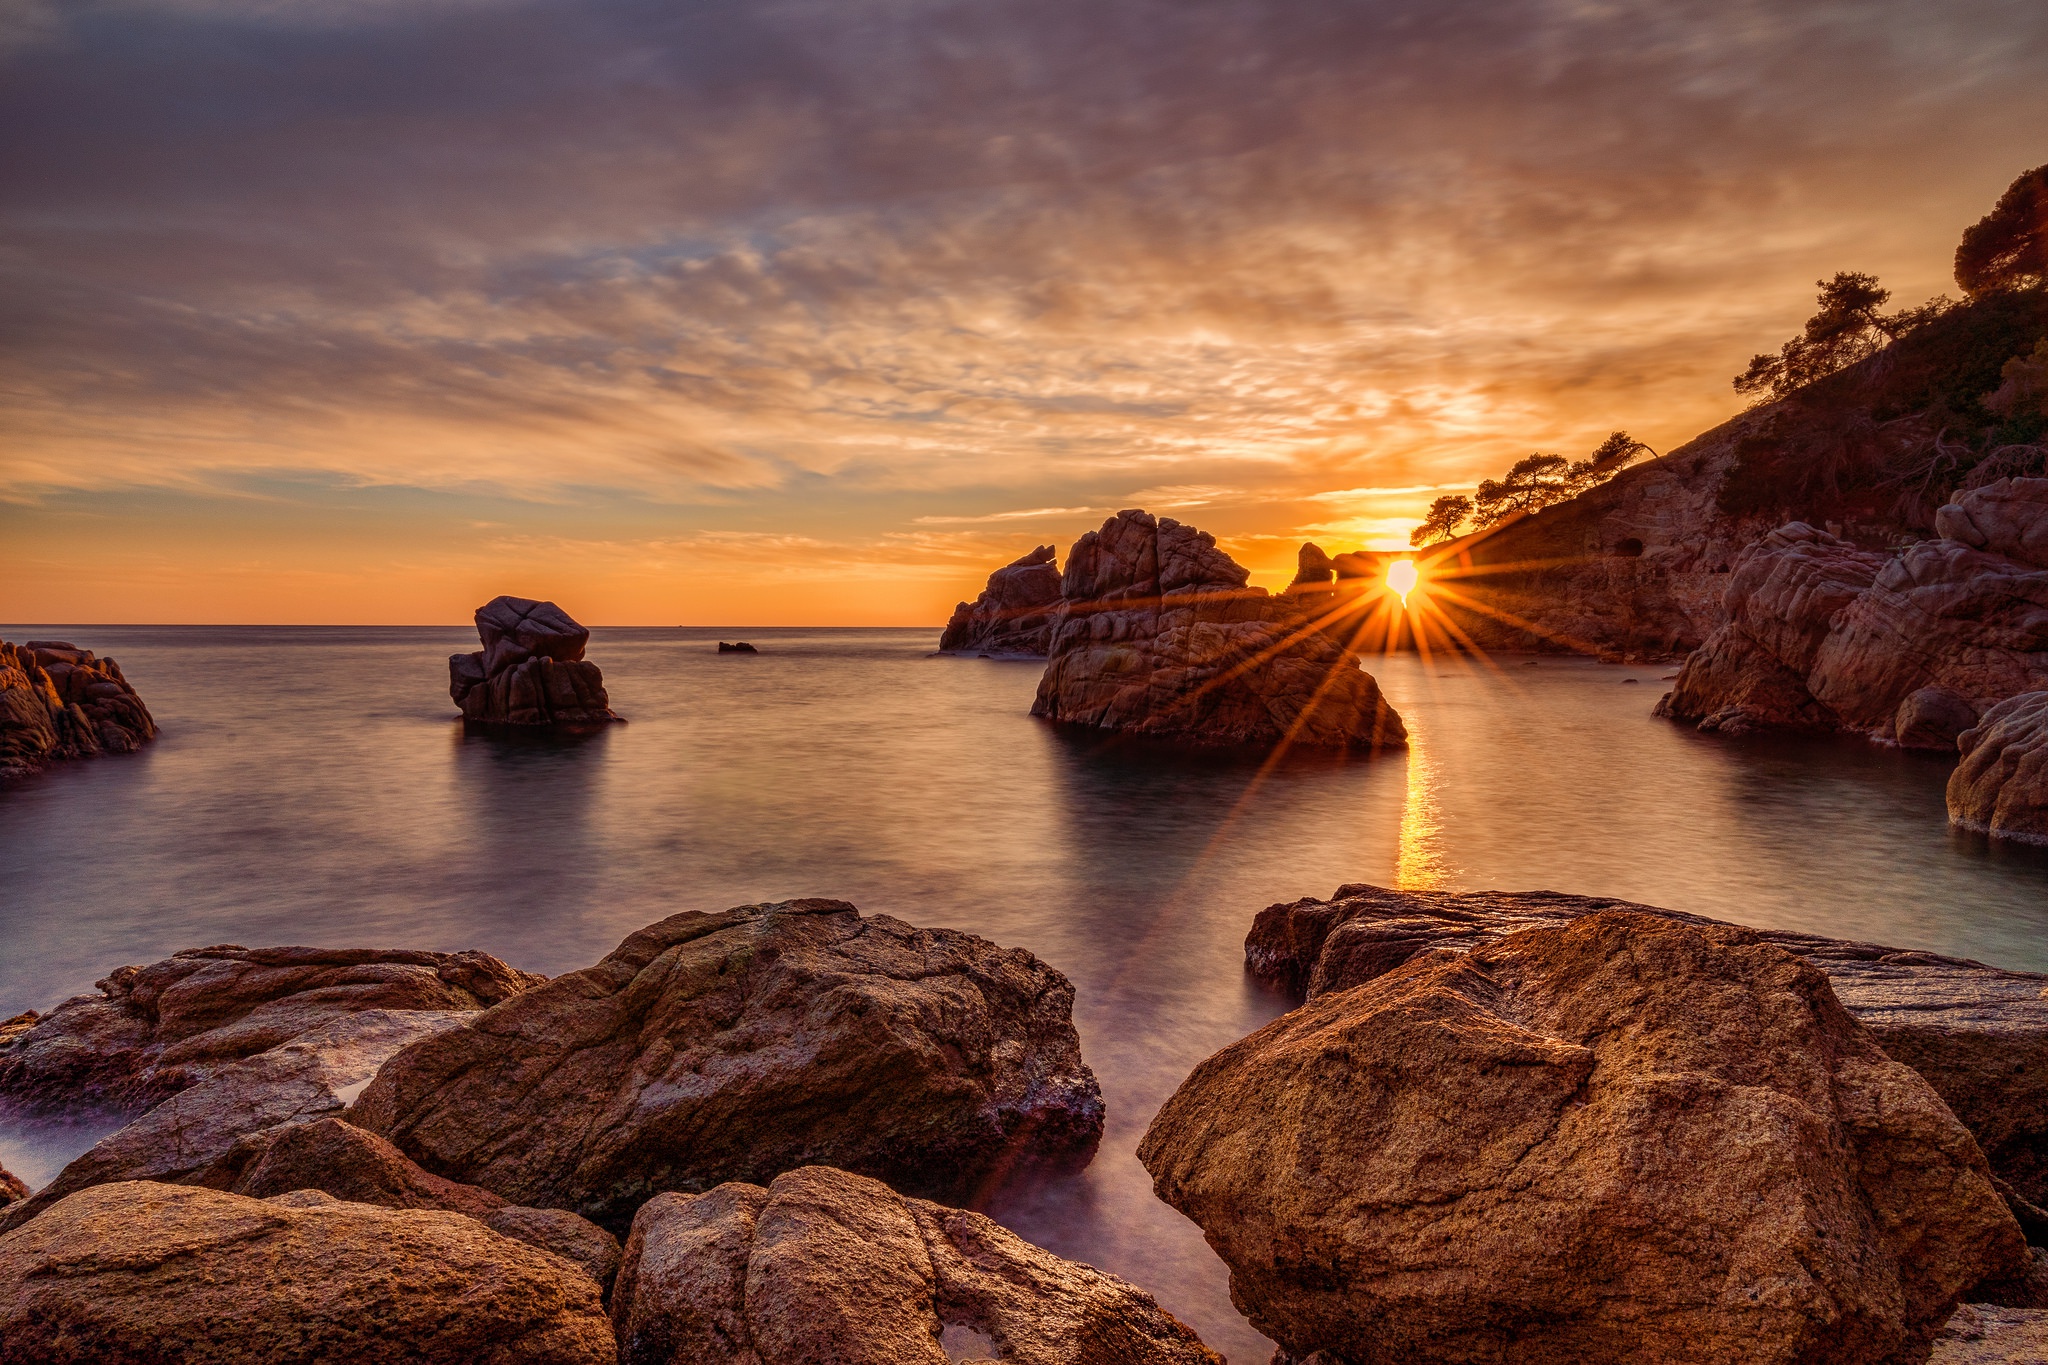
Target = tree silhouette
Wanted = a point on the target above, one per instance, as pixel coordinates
(2008, 247)
(1848, 328)
(1445, 516)
(1536, 481)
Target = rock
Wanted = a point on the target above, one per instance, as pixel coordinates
(152, 1031)
(740, 1044)
(345, 1162)
(1933, 718)
(1624, 1139)
(11, 1187)
(826, 1266)
(531, 670)
(1313, 568)
(1781, 600)
(1983, 1335)
(741, 648)
(577, 1240)
(1977, 1034)
(1940, 615)
(2027, 1288)
(1013, 615)
(139, 1273)
(58, 701)
(2008, 517)
(2001, 785)
(1156, 634)
(191, 1138)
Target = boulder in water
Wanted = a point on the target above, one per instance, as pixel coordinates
(822, 1265)
(136, 1273)
(740, 1044)
(58, 701)
(2001, 785)
(1624, 1139)
(531, 670)
(1157, 635)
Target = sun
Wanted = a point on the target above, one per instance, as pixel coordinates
(1402, 576)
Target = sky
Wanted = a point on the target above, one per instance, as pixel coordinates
(735, 312)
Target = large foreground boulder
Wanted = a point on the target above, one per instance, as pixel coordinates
(1625, 1139)
(139, 1274)
(191, 1136)
(827, 1266)
(531, 670)
(740, 1044)
(58, 701)
(153, 1031)
(2001, 785)
(1013, 615)
(1157, 634)
(1977, 1034)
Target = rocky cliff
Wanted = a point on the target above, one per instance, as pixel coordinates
(58, 701)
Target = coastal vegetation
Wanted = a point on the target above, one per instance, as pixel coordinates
(1531, 484)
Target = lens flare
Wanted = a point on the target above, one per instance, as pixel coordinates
(1402, 577)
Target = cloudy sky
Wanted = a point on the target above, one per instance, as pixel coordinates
(794, 311)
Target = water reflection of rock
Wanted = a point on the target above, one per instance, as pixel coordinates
(535, 852)
(1151, 929)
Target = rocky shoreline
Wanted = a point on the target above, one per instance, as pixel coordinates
(1522, 1126)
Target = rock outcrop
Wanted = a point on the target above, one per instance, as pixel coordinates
(822, 1265)
(345, 1162)
(740, 1044)
(58, 701)
(1983, 1335)
(12, 1187)
(139, 1273)
(1977, 1034)
(531, 670)
(187, 1138)
(1909, 649)
(1623, 1139)
(1157, 635)
(1014, 613)
(2001, 785)
(155, 1030)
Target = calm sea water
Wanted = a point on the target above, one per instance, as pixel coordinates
(310, 787)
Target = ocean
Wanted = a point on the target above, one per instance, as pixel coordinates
(311, 786)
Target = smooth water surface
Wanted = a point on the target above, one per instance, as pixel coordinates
(311, 787)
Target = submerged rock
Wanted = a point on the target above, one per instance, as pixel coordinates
(1624, 1139)
(58, 701)
(823, 1265)
(1977, 1034)
(1013, 615)
(1156, 634)
(725, 647)
(192, 1136)
(531, 670)
(2001, 785)
(138, 1273)
(740, 1044)
(155, 1030)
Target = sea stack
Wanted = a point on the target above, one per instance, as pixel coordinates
(1157, 634)
(58, 701)
(531, 670)
(1014, 613)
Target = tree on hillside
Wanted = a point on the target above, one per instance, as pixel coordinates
(1445, 516)
(1536, 481)
(2008, 247)
(1848, 328)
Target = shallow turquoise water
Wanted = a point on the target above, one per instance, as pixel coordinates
(310, 787)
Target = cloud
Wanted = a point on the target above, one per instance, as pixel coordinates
(754, 267)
